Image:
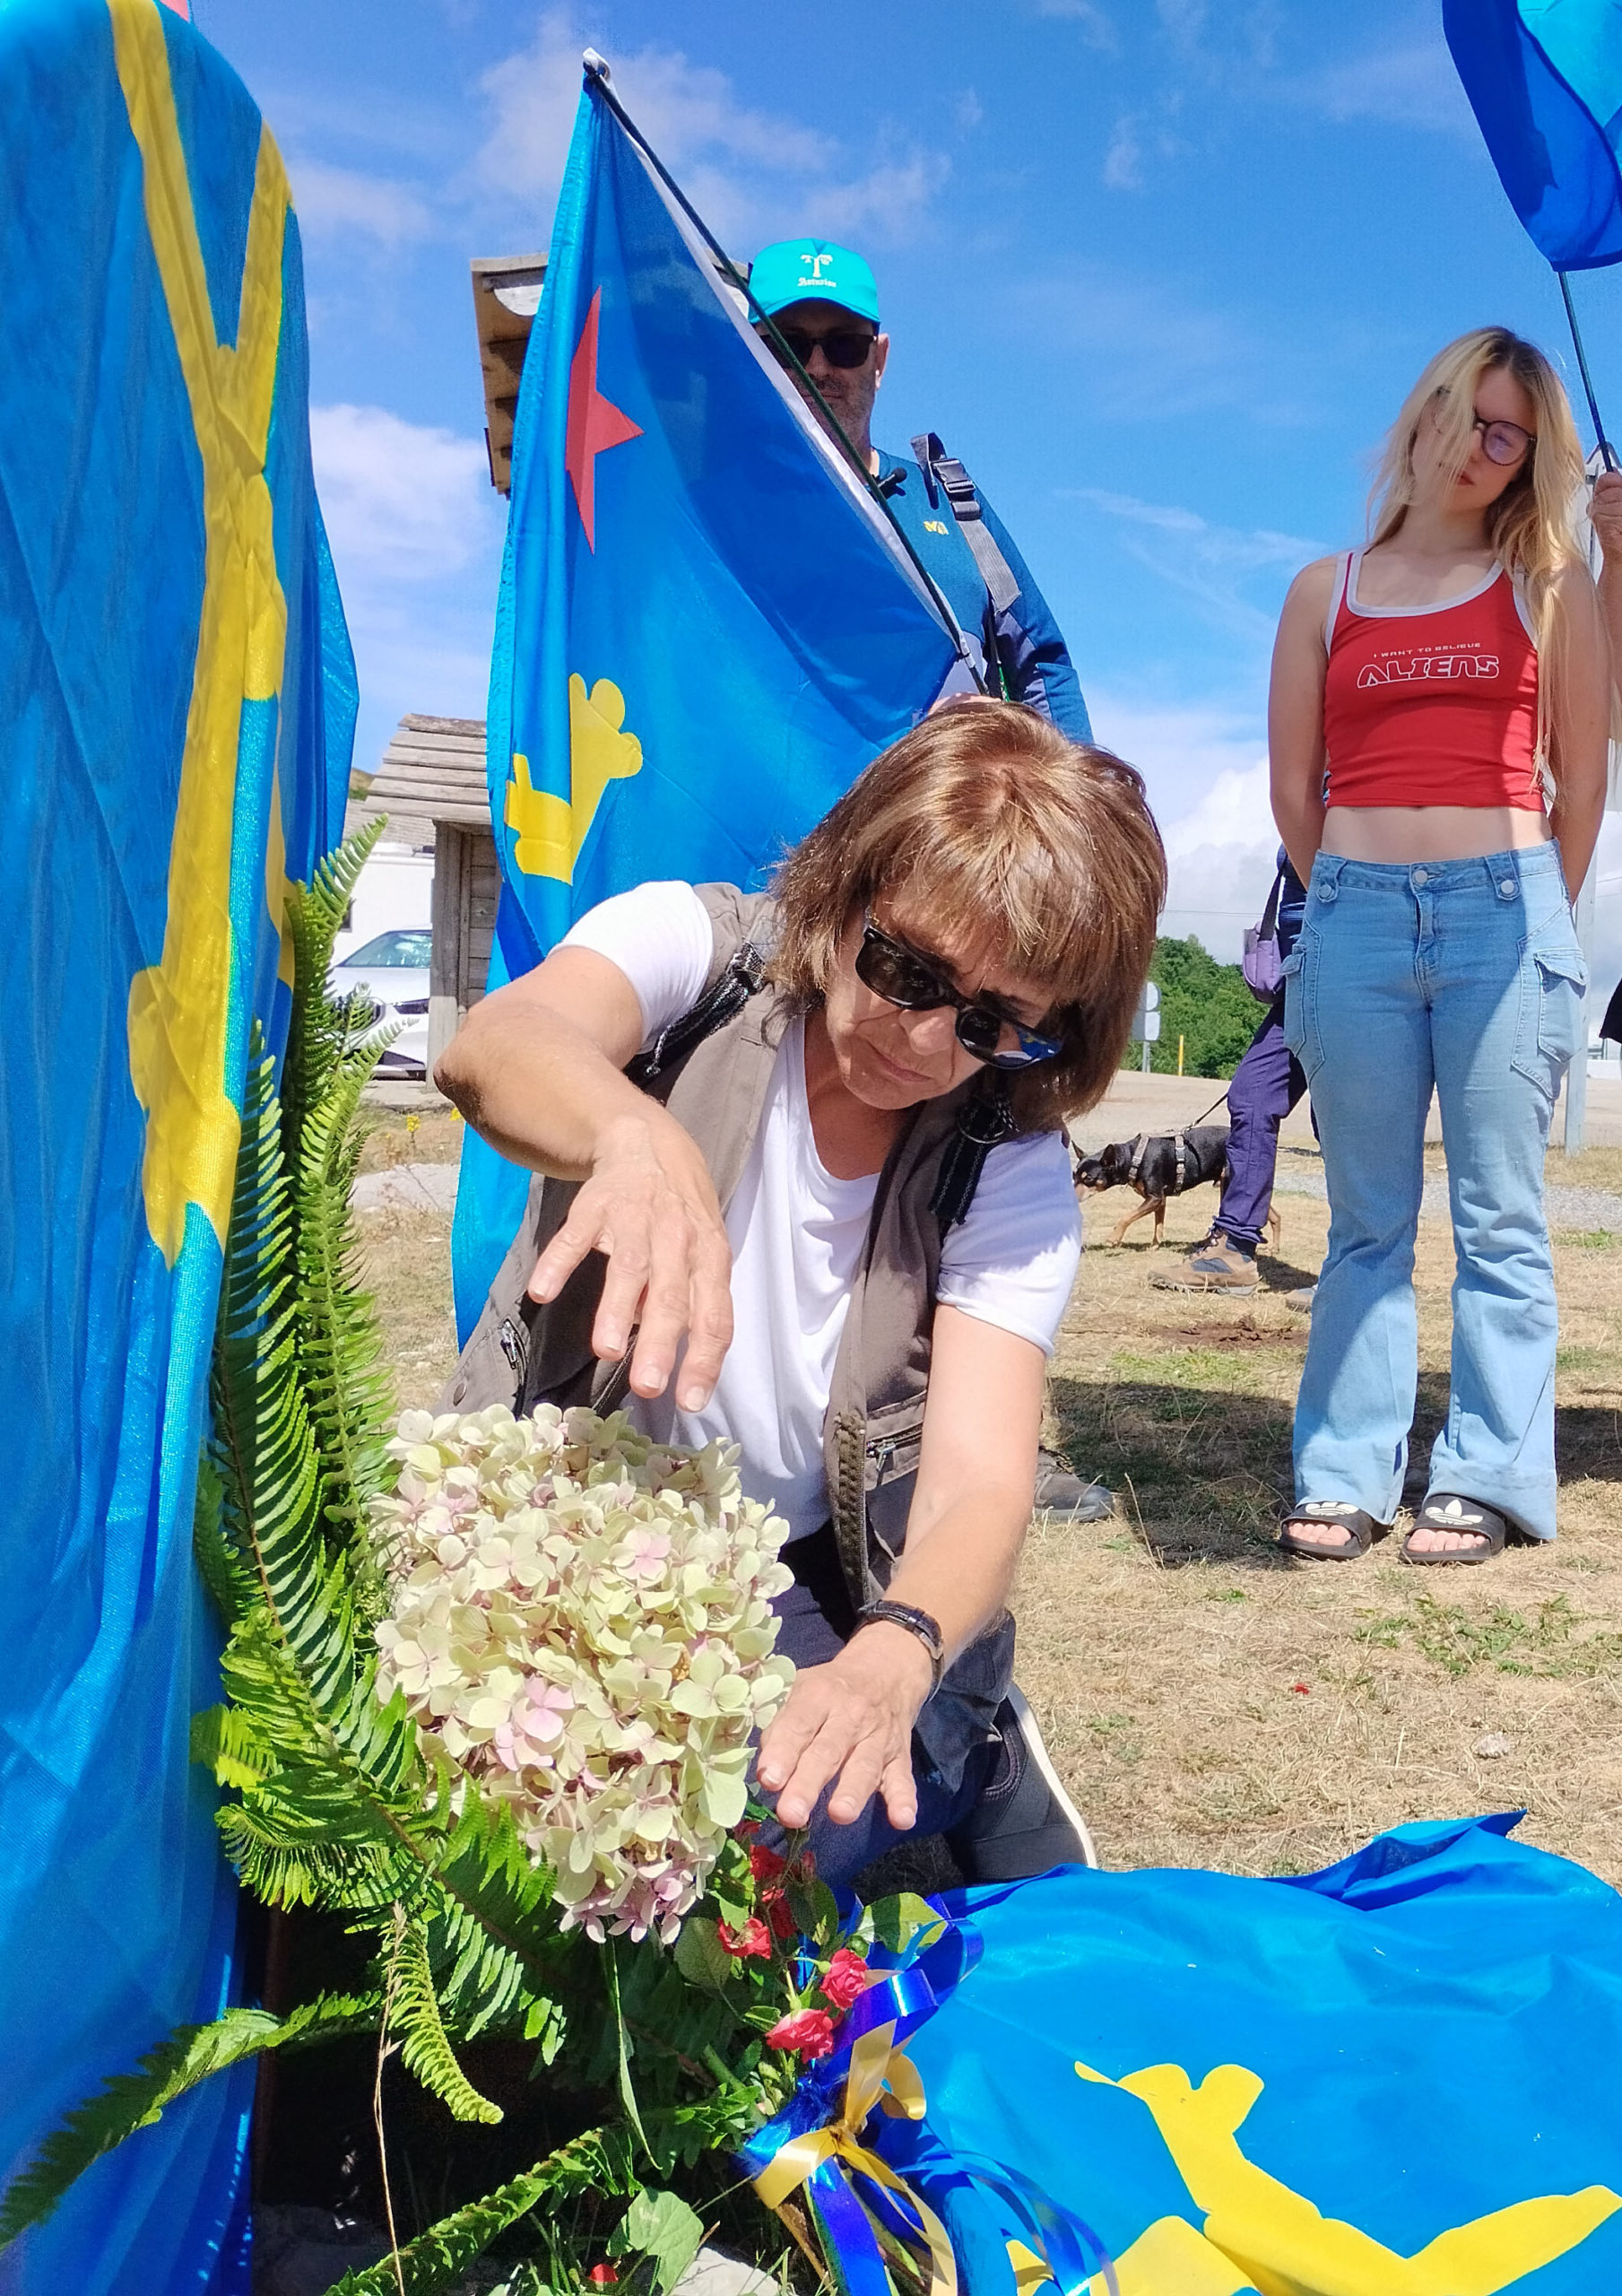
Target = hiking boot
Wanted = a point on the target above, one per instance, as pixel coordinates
(1061, 1494)
(1024, 1822)
(1301, 1299)
(1218, 1265)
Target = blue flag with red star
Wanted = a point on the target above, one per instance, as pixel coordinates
(706, 624)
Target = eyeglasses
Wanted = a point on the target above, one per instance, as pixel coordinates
(846, 346)
(1504, 443)
(902, 978)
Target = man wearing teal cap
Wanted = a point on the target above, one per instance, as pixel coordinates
(825, 303)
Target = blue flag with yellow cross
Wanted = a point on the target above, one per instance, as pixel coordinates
(707, 625)
(176, 696)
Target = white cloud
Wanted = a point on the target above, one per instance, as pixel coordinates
(331, 201)
(969, 111)
(1217, 567)
(1206, 768)
(1124, 160)
(753, 175)
(1414, 85)
(402, 501)
(1098, 29)
(1148, 351)
(416, 535)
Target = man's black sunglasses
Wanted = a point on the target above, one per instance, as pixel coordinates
(847, 346)
(901, 977)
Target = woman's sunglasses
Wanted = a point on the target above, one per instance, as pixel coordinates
(901, 977)
(847, 346)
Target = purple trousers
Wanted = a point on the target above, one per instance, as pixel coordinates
(1267, 1084)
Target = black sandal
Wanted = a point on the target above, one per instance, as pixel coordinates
(1337, 1514)
(1442, 1511)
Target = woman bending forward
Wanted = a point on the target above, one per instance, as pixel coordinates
(1453, 682)
(827, 1214)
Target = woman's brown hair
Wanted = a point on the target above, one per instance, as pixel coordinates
(1038, 852)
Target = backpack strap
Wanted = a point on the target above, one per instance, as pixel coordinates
(1268, 930)
(986, 1117)
(944, 472)
(742, 979)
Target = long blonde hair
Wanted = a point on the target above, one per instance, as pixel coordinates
(1529, 525)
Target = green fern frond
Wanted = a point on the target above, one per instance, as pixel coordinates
(222, 1570)
(224, 1739)
(437, 2260)
(319, 1029)
(348, 1390)
(132, 2100)
(425, 2046)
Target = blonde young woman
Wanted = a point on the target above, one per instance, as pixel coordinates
(1453, 682)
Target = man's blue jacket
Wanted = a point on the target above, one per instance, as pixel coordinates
(1036, 662)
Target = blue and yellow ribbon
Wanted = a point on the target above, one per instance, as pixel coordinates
(819, 2162)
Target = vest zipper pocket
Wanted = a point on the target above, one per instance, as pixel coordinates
(514, 1343)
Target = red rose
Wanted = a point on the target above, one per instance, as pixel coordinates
(765, 1863)
(809, 2032)
(778, 1913)
(751, 1942)
(844, 1980)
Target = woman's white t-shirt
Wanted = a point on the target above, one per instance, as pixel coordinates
(797, 1232)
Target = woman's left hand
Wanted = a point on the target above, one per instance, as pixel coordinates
(851, 1719)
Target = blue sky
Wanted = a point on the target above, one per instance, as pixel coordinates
(1161, 271)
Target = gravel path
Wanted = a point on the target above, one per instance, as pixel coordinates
(1568, 1207)
(424, 1188)
(414, 1187)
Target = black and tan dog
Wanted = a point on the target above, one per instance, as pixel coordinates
(1159, 1164)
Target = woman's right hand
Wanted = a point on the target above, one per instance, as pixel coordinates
(649, 1206)
(1605, 513)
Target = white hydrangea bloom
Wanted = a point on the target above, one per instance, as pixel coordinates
(584, 1619)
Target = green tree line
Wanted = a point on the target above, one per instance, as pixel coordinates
(1205, 1004)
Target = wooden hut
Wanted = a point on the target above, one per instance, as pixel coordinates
(430, 784)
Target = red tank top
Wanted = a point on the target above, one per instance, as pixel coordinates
(1431, 705)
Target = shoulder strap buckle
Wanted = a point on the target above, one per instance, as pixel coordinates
(720, 1003)
(944, 472)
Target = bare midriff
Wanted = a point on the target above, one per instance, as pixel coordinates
(1402, 833)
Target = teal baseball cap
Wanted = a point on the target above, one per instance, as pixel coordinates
(805, 271)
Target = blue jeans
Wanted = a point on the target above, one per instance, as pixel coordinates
(1465, 975)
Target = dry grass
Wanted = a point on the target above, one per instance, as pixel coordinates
(1210, 1702)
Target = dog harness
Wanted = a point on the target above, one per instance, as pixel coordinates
(1179, 1140)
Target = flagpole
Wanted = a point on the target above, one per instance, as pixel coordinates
(1607, 450)
(597, 75)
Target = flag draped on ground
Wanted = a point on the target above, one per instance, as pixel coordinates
(1545, 79)
(1394, 2078)
(707, 626)
(178, 697)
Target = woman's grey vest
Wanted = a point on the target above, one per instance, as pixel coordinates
(522, 1352)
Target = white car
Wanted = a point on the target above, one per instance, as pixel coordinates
(391, 968)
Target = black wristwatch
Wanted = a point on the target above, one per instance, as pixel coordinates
(916, 1622)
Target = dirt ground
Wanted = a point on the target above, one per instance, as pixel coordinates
(1208, 1701)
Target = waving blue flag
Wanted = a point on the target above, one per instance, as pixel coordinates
(1394, 2078)
(176, 697)
(707, 625)
(1545, 79)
